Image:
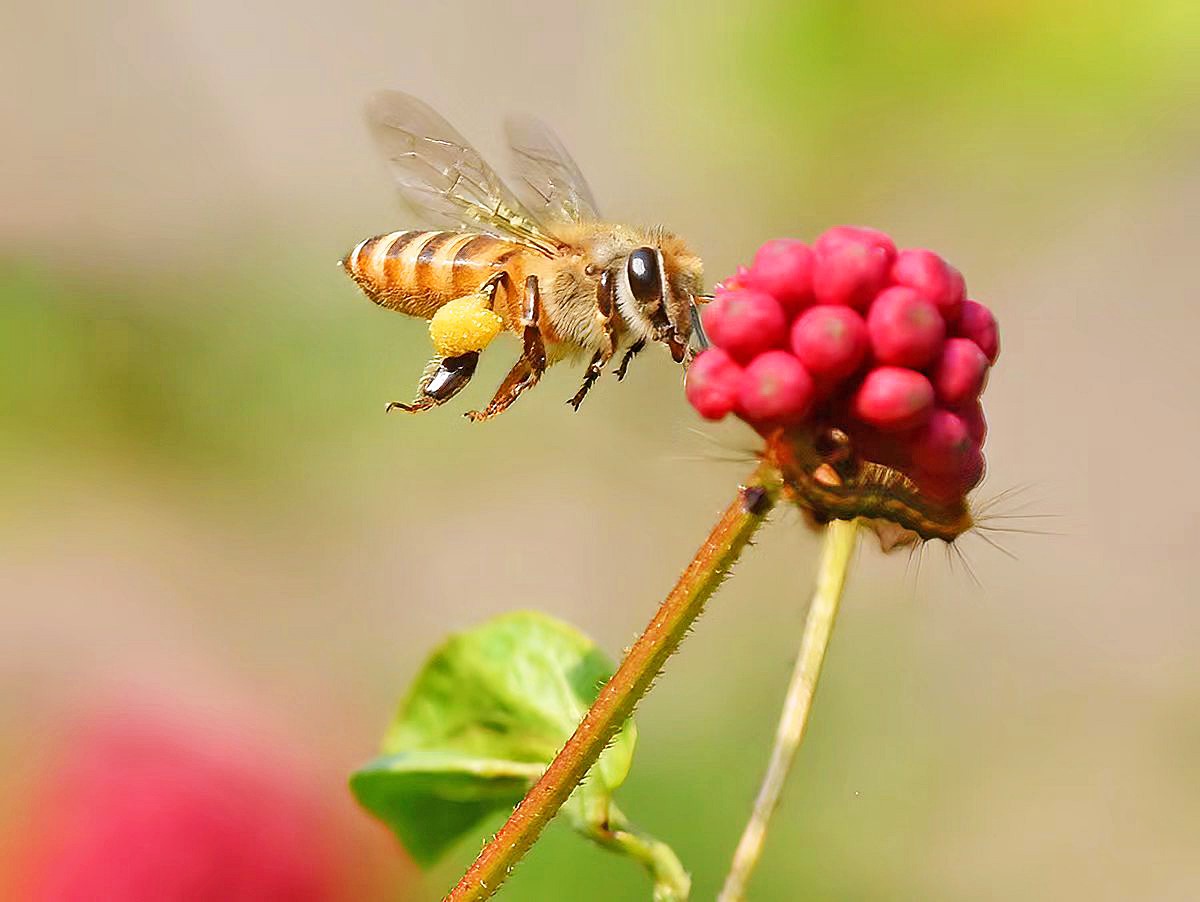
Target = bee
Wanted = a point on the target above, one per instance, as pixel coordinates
(563, 280)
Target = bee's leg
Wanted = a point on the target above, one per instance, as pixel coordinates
(595, 368)
(634, 350)
(532, 363)
(443, 378)
(607, 320)
(492, 283)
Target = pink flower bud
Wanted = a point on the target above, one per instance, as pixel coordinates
(972, 415)
(713, 382)
(973, 468)
(948, 488)
(893, 399)
(905, 328)
(852, 265)
(933, 278)
(978, 324)
(943, 445)
(783, 268)
(830, 341)
(960, 372)
(745, 323)
(776, 390)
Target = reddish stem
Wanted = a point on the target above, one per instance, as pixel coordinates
(618, 698)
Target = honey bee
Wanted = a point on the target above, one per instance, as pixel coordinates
(558, 276)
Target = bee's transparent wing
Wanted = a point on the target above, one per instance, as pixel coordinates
(550, 182)
(444, 177)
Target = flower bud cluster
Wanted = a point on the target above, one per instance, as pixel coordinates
(850, 332)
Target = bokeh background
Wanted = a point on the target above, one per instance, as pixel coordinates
(210, 531)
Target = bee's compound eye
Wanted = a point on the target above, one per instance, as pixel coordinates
(645, 279)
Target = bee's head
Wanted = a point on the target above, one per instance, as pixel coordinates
(657, 290)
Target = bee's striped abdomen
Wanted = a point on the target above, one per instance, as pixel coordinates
(416, 272)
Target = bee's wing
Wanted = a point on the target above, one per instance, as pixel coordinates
(550, 181)
(444, 177)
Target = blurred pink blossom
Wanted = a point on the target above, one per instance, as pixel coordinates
(150, 808)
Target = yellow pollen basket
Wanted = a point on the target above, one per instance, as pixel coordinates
(464, 324)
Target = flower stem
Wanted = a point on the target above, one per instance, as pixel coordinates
(671, 882)
(841, 538)
(625, 689)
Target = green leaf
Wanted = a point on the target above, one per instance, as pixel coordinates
(429, 799)
(486, 715)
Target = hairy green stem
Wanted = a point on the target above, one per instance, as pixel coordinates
(671, 880)
(616, 701)
(841, 538)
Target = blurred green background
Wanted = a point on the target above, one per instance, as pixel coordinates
(204, 503)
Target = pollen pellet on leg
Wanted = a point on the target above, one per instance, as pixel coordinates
(464, 324)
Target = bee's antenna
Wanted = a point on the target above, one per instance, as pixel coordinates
(697, 325)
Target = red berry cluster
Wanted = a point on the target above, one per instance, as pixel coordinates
(853, 334)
